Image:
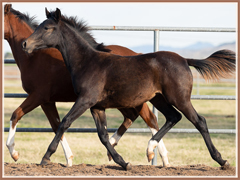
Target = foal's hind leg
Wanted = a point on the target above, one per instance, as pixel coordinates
(172, 117)
(152, 123)
(200, 123)
(130, 115)
(52, 114)
(150, 120)
(101, 124)
(118, 134)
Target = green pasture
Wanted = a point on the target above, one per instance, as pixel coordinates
(184, 148)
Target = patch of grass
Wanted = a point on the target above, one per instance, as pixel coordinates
(87, 148)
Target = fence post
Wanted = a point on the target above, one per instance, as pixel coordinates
(155, 111)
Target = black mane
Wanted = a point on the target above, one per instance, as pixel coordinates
(83, 30)
(26, 18)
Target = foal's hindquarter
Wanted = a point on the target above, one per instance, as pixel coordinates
(130, 81)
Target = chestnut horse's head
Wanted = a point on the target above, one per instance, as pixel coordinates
(17, 25)
(46, 35)
(7, 29)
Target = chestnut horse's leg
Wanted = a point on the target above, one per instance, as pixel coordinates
(30, 103)
(101, 124)
(52, 114)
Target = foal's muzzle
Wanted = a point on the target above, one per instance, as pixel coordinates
(24, 47)
(24, 44)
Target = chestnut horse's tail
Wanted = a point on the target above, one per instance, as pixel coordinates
(220, 64)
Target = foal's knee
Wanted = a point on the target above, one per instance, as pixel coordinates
(65, 124)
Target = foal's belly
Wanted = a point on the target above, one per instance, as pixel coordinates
(125, 100)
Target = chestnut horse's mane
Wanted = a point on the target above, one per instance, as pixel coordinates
(80, 26)
(26, 18)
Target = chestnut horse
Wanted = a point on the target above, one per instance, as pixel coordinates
(49, 82)
(103, 80)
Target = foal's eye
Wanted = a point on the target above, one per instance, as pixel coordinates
(46, 28)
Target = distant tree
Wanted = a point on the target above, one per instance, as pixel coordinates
(8, 55)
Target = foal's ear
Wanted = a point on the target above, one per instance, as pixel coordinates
(57, 14)
(7, 8)
(47, 13)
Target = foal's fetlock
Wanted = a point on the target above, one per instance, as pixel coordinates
(225, 166)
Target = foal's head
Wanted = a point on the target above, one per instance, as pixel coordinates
(46, 35)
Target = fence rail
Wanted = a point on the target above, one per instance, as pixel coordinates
(146, 28)
(130, 130)
(200, 97)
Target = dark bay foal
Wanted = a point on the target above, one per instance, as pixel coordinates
(47, 82)
(102, 80)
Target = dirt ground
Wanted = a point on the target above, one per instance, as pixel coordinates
(55, 169)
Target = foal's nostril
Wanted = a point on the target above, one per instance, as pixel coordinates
(24, 44)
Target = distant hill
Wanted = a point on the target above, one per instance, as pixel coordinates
(197, 50)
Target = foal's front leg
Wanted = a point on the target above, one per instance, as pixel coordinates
(79, 107)
(51, 112)
(100, 120)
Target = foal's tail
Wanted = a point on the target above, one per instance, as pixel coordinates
(220, 64)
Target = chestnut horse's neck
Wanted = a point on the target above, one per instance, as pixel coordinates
(73, 47)
(19, 31)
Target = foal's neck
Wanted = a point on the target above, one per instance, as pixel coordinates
(75, 50)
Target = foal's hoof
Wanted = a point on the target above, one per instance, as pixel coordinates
(15, 156)
(45, 162)
(129, 166)
(225, 166)
(150, 156)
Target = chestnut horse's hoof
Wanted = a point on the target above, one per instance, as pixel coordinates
(15, 156)
(45, 162)
(109, 156)
(225, 166)
(128, 167)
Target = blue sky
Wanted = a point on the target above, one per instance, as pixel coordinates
(222, 15)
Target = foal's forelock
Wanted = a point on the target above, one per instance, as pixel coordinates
(83, 30)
